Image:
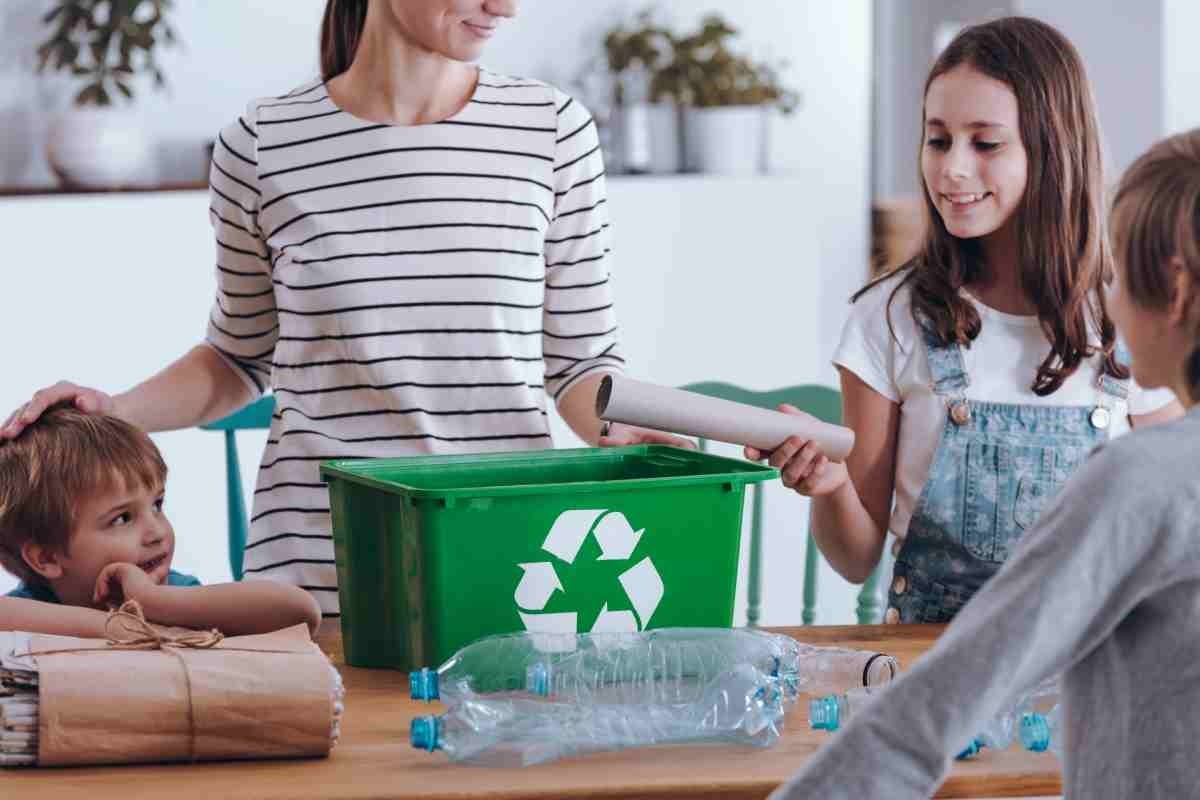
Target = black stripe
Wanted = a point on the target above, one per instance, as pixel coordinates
(583, 210)
(575, 161)
(572, 188)
(386, 359)
(555, 313)
(241, 364)
(229, 271)
(296, 484)
(390, 150)
(464, 412)
(549, 287)
(328, 614)
(231, 201)
(235, 153)
(574, 378)
(436, 251)
(282, 459)
(317, 536)
(254, 357)
(231, 223)
(294, 103)
(323, 137)
(580, 236)
(496, 125)
(576, 359)
(418, 304)
(398, 175)
(567, 370)
(243, 251)
(290, 561)
(248, 295)
(510, 85)
(299, 92)
(231, 335)
(419, 332)
(572, 133)
(581, 260)
(566, 105)
(230, 315)
(581, 335)
(233, 177)
(299, 119)
(348, 281)
(392, 203)
(394, 228)
(246, 128)
(500, 103)
(290, 509)
(414, 436)
(351, 387)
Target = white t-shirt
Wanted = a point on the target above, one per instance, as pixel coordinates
(1001, 363)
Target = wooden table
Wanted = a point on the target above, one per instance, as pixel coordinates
(374, 759)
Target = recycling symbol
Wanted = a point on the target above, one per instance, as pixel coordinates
(617, 540)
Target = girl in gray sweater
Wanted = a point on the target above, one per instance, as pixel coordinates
(1105, 590)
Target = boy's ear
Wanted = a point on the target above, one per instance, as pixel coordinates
(42, 560)
(1184, 304)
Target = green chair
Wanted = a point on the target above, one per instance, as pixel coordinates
(825, 404)
(257, 415)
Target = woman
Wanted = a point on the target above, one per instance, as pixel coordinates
(409, 251)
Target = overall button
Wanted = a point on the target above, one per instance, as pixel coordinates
(892, 616)
(1100, 418)
(899, 585)
(960, 412)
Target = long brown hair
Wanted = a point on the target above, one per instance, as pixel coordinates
(1063, 252)
(1155, 219)
(341, 29)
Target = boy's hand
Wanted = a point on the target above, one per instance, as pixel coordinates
(120, 582)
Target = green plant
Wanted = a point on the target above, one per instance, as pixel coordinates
(106, 43)
(636, 52)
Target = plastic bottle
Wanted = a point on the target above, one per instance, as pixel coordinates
(742, 705)
(831, 712)
(1000, 731)
(671, 665)
(1041, 732)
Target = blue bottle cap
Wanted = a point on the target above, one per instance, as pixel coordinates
(823, 713)
(1035, 732)
(423, 684)
(970, 750)
(537, 679)
(424, 733)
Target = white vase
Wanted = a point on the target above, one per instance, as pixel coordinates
(100, 148)
(726, 140)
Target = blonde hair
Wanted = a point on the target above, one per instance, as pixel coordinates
(1155, 219)
(56, 463)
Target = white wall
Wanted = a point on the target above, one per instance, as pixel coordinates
(1181, 65)
(744, 281)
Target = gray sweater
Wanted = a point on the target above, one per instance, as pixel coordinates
(1106, 590)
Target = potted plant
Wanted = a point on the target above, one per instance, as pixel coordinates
(109, 47)
(727, 96)
(645, 120)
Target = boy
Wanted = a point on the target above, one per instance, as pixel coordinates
(82, 526)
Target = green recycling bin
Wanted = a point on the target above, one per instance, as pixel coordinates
(434, 552)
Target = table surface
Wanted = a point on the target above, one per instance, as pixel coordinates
(374, 759)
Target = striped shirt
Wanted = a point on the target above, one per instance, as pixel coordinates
(403, 289)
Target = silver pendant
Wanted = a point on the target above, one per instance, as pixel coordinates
(1100, 418)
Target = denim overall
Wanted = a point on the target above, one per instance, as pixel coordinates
(996, 466)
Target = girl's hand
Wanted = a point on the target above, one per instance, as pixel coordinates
(621, 435)
(89, 401)
(801, 464)
(120, 582)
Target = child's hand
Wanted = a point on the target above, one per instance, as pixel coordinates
(120, 582)
(802, 465)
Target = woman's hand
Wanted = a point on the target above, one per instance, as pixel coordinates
(621, 435)
(89, 401)
(801, 463)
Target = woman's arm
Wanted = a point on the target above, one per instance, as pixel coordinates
(37, 616)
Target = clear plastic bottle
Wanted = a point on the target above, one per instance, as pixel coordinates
(1000, 731)
(671, 665)
(742, 705)
(831, 712)
(1041, 732)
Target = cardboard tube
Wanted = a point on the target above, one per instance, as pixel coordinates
(646, 405)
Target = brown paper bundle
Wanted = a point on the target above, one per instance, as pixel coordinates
(265, 696)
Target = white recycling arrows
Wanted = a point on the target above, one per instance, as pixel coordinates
(617, 540)
(539, 582)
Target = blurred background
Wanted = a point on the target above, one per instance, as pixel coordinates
(743, 216)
